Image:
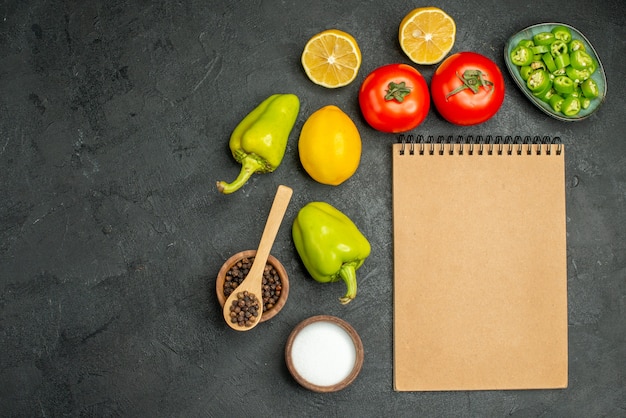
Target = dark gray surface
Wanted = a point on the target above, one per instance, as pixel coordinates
(115, 119)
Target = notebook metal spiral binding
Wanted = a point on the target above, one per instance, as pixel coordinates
(470, 145)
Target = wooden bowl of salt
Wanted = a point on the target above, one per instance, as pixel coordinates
(324, 353)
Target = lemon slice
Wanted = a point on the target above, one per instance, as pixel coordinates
(427, 34)
(331, 58)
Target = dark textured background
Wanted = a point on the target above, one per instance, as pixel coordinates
(114, 123)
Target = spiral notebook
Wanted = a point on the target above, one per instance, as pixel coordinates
(480, 280)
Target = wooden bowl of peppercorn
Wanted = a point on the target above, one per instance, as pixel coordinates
(275, 281)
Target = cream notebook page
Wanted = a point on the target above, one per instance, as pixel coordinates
(480, 280)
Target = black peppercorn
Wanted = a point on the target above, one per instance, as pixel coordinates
(270, 289)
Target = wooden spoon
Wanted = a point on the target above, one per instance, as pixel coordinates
(254, 280)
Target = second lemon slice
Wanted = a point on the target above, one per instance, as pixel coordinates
(427, 34)
(331, 58)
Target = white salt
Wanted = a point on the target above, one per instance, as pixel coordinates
(323, 353)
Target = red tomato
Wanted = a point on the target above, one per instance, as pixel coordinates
(394, 98)
(455, 100)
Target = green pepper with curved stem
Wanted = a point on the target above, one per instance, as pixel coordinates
(259, 142)
(330, 245)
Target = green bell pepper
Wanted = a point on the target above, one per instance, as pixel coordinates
(330, 245)
(259, 142)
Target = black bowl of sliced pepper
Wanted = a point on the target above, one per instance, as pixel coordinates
(558, 69)
(275, 287)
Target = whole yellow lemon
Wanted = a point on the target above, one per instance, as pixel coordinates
(330, 146)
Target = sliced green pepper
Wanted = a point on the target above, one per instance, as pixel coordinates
(540, 49)
(526, 42)
(577, 92)
(570, 106)
(543, 38)
(585, 102)
(581, 60)
(562, 33)
(521, 55)
(538, 65)
(556, 102)
(577, 45)
(549, 61)
(590, 88)
(558, 47)
(538, 81)
(593, 66)
(564, 85)
(562, 60)
(577, 75)
(546, 94)
(525, 72)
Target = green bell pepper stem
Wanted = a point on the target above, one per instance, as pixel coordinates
(249, 165)
(348, 275)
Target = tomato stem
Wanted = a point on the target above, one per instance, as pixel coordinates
(397, 91)
(473, 80)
